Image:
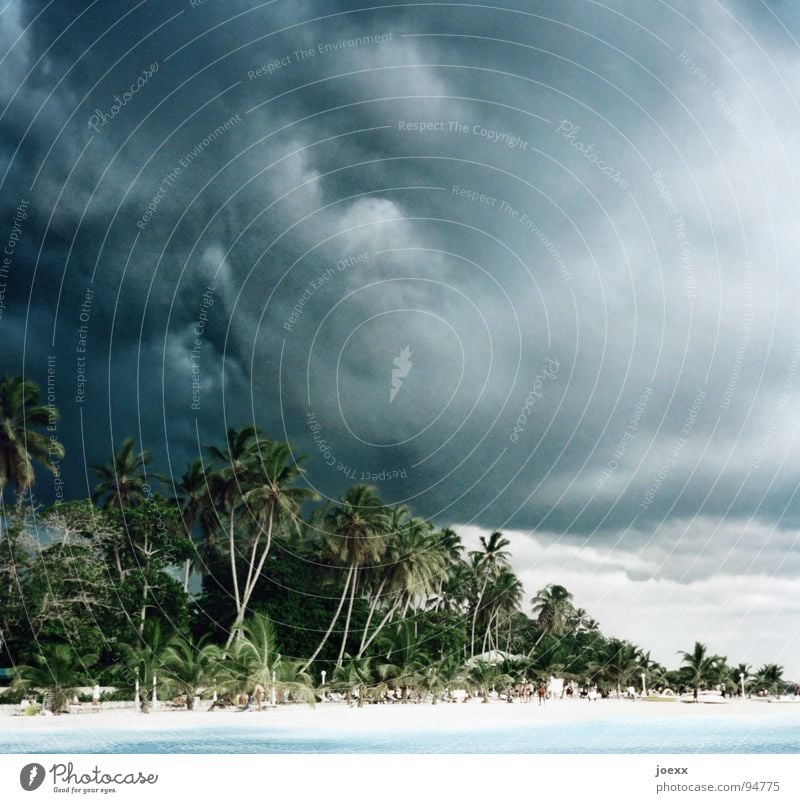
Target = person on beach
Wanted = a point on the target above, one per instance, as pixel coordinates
(542, 693)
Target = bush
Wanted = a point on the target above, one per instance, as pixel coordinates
(12, 696)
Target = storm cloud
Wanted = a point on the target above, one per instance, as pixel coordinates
(528, 268)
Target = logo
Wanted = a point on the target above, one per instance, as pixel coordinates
(401, 370)
(31, 777)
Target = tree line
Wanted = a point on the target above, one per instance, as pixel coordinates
(235, 576)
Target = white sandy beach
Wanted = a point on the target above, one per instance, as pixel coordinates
(339, 717)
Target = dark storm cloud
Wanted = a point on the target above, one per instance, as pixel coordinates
(616, 217)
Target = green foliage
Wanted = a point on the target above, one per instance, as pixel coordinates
(375, 596)
(56, 672)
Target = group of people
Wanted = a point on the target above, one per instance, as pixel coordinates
(527, 691)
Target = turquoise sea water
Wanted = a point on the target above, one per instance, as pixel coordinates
(773, 734)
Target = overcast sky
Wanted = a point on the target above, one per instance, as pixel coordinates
(570, 229)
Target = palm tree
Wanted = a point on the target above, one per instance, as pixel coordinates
(485, 564)
(616, 663)
(354, 675)
(229, 483)
(59, 670)
(505, 598)
(121, 482)
(448, 544)
(484, 677)
(770, 678)
(414, 566)
(740, 675)
(405, 660)
(384, 584)
(552, 607)
(257, 475)
(142, 658)
(356, 530)
(193, 497)
(190, 666)
(700, 667)
(20, 442)
(275, 502)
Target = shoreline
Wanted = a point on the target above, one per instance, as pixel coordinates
(421, 716)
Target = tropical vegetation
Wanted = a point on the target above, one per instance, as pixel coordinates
(235, 579)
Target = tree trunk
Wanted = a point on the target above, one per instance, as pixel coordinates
(250, 582)
(349, 614)
(235, 578)
(373, 606)
(378, 629)
(333, 622)
(475, 618)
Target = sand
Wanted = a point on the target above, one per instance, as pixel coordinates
(398, 717)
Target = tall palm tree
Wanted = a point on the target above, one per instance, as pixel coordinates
(504, 599)
(121, 482)
(552, 607)
(193, 497)
(449, 546)
(21, 416)
(256, 476)
(274, 501)
(231, 480)
(384, 586)
(413, 568)
(356, 536)
(486, 563)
